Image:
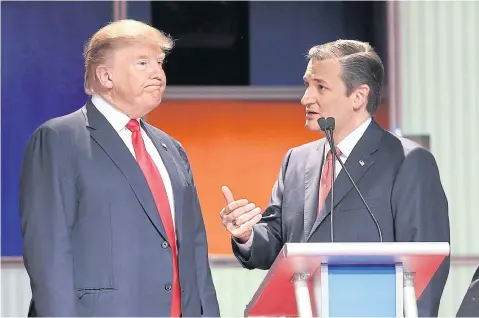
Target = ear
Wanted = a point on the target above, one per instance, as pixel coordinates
(360, 96)
(104, 76)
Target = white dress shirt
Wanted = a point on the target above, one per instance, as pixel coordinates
(118, 121)
(346, 146)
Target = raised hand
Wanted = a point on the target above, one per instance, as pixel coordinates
(239, 216)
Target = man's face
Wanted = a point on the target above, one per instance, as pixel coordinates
(138, 78)
(325, 94)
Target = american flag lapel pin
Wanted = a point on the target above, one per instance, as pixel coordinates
(361, 163)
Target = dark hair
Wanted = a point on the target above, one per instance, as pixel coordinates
(360, 64)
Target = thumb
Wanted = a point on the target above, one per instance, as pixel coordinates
(227, 194)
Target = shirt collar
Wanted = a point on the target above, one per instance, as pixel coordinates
(349, 142)
(114, 116)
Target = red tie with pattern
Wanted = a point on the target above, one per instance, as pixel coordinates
(325, 183)
(158, 190)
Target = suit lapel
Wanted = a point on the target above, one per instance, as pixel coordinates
(174, 176)
(311, 185)
(107, 138)
(358, 163)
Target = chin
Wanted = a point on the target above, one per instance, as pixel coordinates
(154, 104)
(312, 125)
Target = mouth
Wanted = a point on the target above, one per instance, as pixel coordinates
(311, 113)
(154, 88)
(155, 85)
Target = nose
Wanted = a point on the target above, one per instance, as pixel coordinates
(157, 78)
(306, 99)
(157, 71)
(158, 75)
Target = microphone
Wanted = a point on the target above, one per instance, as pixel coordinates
(328, 125)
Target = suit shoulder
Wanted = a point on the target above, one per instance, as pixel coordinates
(304, 148)
(299, 153)
(65, 123)
(61, 127)
(55, 140)
(408, 149)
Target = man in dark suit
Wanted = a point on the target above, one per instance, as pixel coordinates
(398, 179)
(110, 215)
(470, 303)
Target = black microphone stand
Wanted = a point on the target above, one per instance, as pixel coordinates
(327, 126)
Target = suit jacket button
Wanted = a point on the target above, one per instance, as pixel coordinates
(168, 287)
(165, 244)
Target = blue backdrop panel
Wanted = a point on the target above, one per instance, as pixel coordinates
(139, 10)
(285, 31)
(362, 291)
(281, 32)
(42, 77)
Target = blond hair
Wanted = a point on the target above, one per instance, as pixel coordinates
(114, 35)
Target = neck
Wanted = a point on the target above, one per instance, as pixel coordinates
(341, 133)
(118, 104)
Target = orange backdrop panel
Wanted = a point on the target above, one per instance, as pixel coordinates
(240, 144)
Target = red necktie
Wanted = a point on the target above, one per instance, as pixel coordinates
(325, 184)
(158, 190)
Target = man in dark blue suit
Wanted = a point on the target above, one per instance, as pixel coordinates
(397, 178)
(110, 215)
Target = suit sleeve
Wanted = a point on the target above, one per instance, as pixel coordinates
(46, 198)
(470, 306)
(209, 301)
(421, 215)
(268, 235)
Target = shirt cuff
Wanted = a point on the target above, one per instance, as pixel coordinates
(245, 247)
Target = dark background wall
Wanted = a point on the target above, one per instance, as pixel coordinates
(259, 42)
(241, 43)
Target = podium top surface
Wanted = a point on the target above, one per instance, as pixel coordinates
(366, 249)
(422, 258)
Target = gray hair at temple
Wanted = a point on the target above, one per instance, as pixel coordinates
(360, 64)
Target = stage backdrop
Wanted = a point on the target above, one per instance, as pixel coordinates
(42, 77)
(236, 143)
(240, 144)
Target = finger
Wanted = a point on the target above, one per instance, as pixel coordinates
(238, 212)
(245, 227)
(228, 195)
(243, 210)
(233, 206)
(248, 225)
(248, 216)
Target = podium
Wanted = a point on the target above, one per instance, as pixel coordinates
(347, 279)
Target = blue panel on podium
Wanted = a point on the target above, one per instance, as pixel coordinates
(362, 290)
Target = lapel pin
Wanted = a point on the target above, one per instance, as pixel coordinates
(361, 163)
(164, 146)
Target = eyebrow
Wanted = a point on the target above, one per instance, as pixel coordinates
(316, 80)
(320, 80)
(144, 56)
